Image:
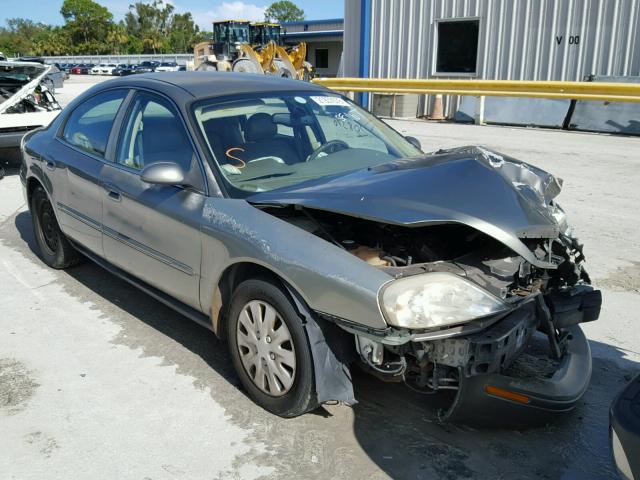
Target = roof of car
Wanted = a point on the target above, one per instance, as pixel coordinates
(210, 84)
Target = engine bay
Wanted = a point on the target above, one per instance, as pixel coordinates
(457, 248)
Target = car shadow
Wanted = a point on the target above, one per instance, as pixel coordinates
(396, 428)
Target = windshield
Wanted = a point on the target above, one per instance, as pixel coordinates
(231, 32)
(269, 142)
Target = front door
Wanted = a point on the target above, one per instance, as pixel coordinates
(152, 231)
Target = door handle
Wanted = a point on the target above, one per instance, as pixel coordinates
(114, 195)
(112, 192)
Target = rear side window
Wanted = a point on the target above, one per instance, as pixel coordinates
(89, 125)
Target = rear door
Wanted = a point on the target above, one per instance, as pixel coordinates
(78, 159)
(153, 231)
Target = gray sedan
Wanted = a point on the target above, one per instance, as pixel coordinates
(314, 238)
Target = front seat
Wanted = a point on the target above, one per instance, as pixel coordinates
(261, 141)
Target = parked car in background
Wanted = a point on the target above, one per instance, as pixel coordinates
(147, 67)
(168, 67)
(129, 70)
(312, 236)
(108, 69)
(103, 69)
(26, 103)
(76, 70)
(119, 68)
(55, 78)
(85, 69)
(624, 430)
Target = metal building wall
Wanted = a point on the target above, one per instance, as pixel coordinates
(351, 39)
(517, 40)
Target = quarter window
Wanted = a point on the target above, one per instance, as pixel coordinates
(153, 133)
(89, 125)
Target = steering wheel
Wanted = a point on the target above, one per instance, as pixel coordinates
(332, 146)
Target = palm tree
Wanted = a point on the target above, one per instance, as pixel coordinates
(117, 38)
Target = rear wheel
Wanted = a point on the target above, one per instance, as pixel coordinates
(269, 349)
(55, 250)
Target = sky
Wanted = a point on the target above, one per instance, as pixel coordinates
(204, 11)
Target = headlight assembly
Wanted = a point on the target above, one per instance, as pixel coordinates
(436, 299)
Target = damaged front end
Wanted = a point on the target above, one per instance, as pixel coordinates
(25, 104)
(487, 282)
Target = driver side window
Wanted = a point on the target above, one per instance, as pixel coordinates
(153, 133)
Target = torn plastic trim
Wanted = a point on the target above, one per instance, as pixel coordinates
(330, 354)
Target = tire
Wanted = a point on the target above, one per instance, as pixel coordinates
(54, 248)
(244, 65)
(207, 67)
(289, 388)
(283, 73)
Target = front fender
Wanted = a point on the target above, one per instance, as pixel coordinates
(329, 279)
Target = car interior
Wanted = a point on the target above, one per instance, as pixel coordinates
(242, 139)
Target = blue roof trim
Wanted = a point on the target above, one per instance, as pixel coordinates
(328, 33)
(313, 22)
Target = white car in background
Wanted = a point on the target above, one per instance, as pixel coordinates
(103, 69)
(168, 67)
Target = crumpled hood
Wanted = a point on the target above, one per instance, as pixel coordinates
(490, 192)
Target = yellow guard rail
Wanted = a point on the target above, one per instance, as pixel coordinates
(599, 91)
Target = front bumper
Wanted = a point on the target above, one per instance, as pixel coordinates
(508, 374)
(536, 398)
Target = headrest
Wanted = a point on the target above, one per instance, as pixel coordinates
(260, 127)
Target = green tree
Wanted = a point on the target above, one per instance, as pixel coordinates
(20, 34)
(117, 38)
(283, 11)
(88, 23)
(151, 23)
(184, 33)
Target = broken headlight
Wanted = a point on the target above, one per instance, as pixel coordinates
(436, 299)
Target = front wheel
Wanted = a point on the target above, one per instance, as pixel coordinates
(55, 250)
(270, 350)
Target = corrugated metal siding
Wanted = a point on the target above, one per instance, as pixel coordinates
(351, 50)
(517, 39)
(315, 26)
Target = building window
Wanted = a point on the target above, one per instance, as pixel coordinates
(457, 46)
(322, 58)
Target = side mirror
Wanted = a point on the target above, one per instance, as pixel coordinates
(163, 173)
(414, 141)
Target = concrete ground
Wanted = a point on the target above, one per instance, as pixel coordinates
(99, 381)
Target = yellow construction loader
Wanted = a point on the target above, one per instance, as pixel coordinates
(241, 46)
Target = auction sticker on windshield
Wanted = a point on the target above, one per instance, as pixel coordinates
(329, 101)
